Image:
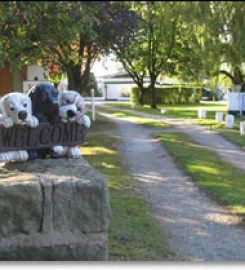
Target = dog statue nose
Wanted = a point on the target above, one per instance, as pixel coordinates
(70, 113)
(22, 115)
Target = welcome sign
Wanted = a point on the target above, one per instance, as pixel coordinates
(43, 136)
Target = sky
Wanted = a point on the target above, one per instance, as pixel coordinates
(106, 65)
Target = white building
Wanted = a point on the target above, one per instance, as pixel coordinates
(117, 86)
(35, 74)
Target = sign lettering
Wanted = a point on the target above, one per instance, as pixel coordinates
(43, 136)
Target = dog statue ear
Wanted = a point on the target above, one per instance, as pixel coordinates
(29, 104)
(32, 95)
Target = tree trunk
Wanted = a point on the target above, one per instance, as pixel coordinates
(85, 83)
(16, 78)
(153, 95)
(85, 78)
(141, 93)
(73, 76)
(141, 101)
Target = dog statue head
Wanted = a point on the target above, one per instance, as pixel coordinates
(44, 99)
(71, 106)
(17, 106)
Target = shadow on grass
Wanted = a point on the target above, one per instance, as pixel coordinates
(134, 235)
(216, 176)
(137, 119)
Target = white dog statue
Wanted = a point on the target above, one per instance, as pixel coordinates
(16, 109)
(71, 109)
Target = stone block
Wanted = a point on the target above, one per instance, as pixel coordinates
(53, 210)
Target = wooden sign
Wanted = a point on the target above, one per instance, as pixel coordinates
(43, 136)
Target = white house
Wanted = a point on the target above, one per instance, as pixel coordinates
(35, 74)
(117, 86)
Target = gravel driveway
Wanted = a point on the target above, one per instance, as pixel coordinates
(205, 137)
(197, 228)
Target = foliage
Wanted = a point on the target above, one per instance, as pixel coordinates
(224, 48)
(237, 78)
(55, 72)
(169, 95)
(15, 39)
(92, 84)
(166, 43)
(71, 34)
(189, 40)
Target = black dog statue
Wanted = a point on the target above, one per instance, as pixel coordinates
(45, 107)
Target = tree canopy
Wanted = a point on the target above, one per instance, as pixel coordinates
(189, 40)
(70, 34)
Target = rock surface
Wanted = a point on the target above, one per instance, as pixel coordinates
(53, 210)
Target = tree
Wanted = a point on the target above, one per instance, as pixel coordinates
(71, 34)
(165, 44)
(15, 41)
(81, 31)
(234, 38)
(223, 24)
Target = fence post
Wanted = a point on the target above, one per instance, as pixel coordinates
(92, 104)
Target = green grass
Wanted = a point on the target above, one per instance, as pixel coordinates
(187, 111)
(134, 234)
(233, 136)
(4, 171)
(190, 112)
(217, 177)
(137, 119)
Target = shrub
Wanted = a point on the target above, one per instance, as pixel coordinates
(169, 95)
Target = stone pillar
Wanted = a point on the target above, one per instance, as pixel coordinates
(53, 210)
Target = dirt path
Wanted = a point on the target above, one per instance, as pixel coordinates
(197, 228)
(205, 137)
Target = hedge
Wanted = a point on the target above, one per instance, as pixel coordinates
(169, 95)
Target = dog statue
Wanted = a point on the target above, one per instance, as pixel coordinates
(45, 107)
(71, 109)
(16, 109)
(44, 99)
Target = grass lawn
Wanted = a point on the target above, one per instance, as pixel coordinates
(231, 134)
(4, 171)
(218, 178)
(134, 234)
(187, 111)
(137, 119)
